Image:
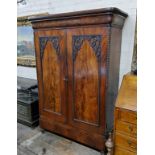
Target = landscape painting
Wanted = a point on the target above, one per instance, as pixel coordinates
(25, 46)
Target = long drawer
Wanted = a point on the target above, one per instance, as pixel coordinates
(120, 151)
(126, 142)
(126, 128)
(128, 116)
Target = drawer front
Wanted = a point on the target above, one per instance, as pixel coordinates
(126, 128)
(126, 142)
(120, 151)
(128, 116)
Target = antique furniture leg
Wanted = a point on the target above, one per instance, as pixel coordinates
(109, 144)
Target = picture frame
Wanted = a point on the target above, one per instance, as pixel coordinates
(25, 43)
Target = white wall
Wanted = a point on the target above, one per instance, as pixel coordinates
(28, 72)
(60, 6)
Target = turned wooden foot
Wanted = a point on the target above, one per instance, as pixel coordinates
(109, 145)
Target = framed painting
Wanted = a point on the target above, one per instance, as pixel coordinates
(25, 43)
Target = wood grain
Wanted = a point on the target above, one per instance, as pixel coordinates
(125, 125)
(81, 18)
(86, 74)
(127, 128)
(128, 99)
(120, 151)
(126, 142)
(51, 73)
(86, 85)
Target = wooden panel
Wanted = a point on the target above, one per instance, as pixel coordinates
(120, 151)
(113, 63)
(87, 74)
(114, 17)
(51, 72)
(125, 142)
(86, 85)
(85, 137)
(127, 97)
(128, 116)
(126, 128)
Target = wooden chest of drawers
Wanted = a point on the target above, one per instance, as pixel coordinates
(125, 128)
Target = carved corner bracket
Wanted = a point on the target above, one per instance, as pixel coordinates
(53, 39)
(94, 40)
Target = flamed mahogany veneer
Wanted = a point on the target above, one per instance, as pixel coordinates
(78, 57)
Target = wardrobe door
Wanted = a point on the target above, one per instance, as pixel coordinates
(51, 71)
(87, 48)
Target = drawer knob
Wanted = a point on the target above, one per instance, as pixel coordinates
(130, 128)
(129, 142)
(130, 145)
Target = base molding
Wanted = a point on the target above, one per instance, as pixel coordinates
(92, 140)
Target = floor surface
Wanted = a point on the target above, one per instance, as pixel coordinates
(34, 141)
